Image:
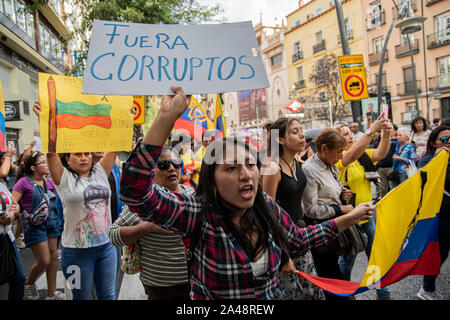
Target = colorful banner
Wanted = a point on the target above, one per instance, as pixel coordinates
(193, 121)
(219, 119)
(2, 121)
(74, 122)
(139, 109)
(406, 236)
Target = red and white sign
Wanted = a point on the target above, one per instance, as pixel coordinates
(295, 106)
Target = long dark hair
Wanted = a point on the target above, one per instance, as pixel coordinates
(416, 119)
(25, 165)
(431, 149)
(282, 125)
(63, 157)
(260, 216)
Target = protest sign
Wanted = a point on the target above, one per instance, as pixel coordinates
(145, 59)
(74, 122)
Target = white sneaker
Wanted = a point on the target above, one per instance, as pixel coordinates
(58, 295)
(427, 295)
(31, 292)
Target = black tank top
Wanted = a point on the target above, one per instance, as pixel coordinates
(289, 193)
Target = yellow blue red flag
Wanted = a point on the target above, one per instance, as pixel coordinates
(2, 121)
(406, 236)
(219, 120)
(193, 121)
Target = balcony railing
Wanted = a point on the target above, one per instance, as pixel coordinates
(431, 2)
(297, 56)
(413, 6)
(374, 58)
(374, 86)
(407, 88)
(375, 20)
(319, 47)
(438, 39)
(349, 35)
(443, 80)
(299, 84)
(403, 50)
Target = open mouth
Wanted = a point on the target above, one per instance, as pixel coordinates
(246, 192)
(172, 177)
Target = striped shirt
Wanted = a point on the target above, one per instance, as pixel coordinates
(220, 268)
(163, 261)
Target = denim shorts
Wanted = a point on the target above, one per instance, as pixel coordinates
(51, 228)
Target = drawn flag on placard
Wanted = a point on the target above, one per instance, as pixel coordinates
(77, 115)
(193, 121)
(74, 122)
(294, 106)
(406, 237)
(219, 120)
(2, 121)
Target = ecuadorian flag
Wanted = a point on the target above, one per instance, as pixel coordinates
(193, 121)
(406, 237)
(219, 120)
(77, 115)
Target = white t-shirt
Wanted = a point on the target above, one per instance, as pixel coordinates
(87, 208)
(7, 197)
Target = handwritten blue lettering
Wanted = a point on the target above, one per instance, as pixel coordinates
(175, 64)
(136, 66)
(211, 65)
(141, 44)
(233, 69)
(163, 67)
(182, 43)
(159, 41)
(114, 33)
(95, 62)
(130, 45)
(143, 65)
(248, 65)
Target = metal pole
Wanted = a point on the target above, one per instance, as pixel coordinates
(356, 112)
(414, 75)
(383, 52)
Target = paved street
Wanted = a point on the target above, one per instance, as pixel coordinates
(132, 289)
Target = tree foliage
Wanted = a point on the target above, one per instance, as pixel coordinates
(327, 87)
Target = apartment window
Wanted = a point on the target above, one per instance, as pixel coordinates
(405, 38)
(318, 37)
(51, 46)
(276, 59)
(5, 77)
(297, 47)
(297, 22)
(16, 12)
(442, 25)
(377, 45)
(318, 11)
(300, 73)
(444, 71)
(8, 10)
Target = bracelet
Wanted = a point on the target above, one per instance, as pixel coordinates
(387, 139)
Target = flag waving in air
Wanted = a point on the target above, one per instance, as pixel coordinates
(219, 120)
(406, 236)
(77, 115)
(193, 121)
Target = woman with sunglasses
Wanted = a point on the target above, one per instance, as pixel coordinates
(439, 141)
(86, 197)
(163, 264)
(33, 191)
(243, 236)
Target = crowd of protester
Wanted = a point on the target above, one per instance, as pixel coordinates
(209, 226)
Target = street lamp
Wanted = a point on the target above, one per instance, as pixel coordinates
(408, 25)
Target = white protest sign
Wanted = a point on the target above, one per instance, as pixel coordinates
(146, 59)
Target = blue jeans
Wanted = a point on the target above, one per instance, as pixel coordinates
(17, 283)
(346, 266)
(82, 267)
(402, 177)
(429, 282)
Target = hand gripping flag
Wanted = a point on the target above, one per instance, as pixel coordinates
(219, 120)
(193, 121)
(406, 235)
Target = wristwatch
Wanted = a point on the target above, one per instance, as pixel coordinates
(369, 132)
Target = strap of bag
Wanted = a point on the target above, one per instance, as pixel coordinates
(3, 203)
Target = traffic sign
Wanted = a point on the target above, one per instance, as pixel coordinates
(139, 109)
(294, 106)
(353, 77)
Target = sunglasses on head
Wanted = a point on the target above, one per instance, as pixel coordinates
(165, 164)
(444, 139)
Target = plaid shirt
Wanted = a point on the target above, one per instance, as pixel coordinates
(220, 268)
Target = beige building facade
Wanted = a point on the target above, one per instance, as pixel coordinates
(430, 51)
